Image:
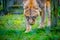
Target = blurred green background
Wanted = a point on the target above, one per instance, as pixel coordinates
(13, 25)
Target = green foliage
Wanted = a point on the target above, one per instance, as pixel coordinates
(12, 27)
(1, 7)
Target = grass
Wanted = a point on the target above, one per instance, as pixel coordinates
(12, 27)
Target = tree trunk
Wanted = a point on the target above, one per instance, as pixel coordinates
(5, 6)
(54, 13)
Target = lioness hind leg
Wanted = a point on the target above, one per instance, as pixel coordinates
(49, 13)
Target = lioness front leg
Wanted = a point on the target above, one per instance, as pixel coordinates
(28, 26)
(43, 12)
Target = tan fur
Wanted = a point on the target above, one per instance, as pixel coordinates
(31, 8)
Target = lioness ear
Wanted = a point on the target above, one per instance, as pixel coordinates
(24, 0)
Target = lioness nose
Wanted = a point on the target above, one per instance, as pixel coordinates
(31, 21)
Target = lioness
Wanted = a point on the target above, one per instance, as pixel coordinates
(33, 8)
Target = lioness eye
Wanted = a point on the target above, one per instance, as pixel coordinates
(34, 17)
(27, 16)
